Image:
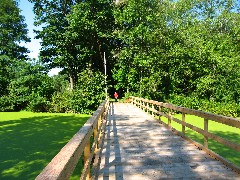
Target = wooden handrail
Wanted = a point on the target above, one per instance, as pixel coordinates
(139, 102)
(64, 163)
(214, 117)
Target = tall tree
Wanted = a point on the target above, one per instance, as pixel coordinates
(204, 48)
(142, 34)
(51, 15)
(13, 30)
(75, 33)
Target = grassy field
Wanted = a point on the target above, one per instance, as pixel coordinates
(227, 132)
(28, 141)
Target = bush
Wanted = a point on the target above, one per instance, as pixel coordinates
(6, 104)
(222, 108)
(89, 92)
(84, 98)
(38, 104)
(61, 102)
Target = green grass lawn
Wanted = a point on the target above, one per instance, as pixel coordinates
(28, 141)
(227, 132)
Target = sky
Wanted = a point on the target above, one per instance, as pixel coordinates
(33, 46)
(27, 11)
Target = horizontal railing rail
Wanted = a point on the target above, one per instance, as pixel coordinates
(156, 107)
(64, 163)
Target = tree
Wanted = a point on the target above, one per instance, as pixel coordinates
(90, 27)
(74, 34)
(141, 31)
(52, 16)
(12, 32)
(204, 49)
(30, 84)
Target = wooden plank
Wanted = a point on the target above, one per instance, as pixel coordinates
(86, 161)
(183, 126)
(209, 135)
(169, 118)
(98, 153)
(218, 118)
(132, 146)
(208, 151)
(206, 130)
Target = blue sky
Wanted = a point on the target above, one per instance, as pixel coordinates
(27, 12)
(34, 46)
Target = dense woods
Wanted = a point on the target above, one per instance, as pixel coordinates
(186, 52)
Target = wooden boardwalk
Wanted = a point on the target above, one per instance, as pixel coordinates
(137, 147)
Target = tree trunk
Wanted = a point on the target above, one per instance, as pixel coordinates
(71, 82)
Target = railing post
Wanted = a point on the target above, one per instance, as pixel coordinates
(169, 118)
(86, 156)
(206, 130)
(95, 132)
(183, 126)
(152, 110)
(95, 137)
(147, 106)
(99, 124)
(160, 110)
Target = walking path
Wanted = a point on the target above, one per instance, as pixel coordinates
(137, 147)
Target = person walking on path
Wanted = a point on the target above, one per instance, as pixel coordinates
(115, 96)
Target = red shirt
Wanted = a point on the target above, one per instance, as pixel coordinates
(116, 95)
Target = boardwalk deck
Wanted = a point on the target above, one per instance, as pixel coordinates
(138, 147)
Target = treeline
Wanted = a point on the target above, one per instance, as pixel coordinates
(186, 52)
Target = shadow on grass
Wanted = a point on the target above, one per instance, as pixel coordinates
(224, 151)
(28, 145)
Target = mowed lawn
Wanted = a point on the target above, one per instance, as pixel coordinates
(28, 141)
(227, 132)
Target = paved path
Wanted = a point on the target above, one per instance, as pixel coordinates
(137, 147)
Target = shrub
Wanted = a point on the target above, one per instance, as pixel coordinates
(38, 104)
(222, 108)
(6, 104)
(84, 98)
(61, 102)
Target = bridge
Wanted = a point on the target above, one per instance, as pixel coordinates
(129, 141)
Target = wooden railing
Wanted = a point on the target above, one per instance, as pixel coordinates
(64, 163)
(156, 108)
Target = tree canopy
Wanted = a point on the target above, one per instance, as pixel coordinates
(184, 51)
(13, 30)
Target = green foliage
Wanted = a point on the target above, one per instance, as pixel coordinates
(84, 98)
(38, 104)
(75, 34)
(6, 104)
(137, 30)
(154, 50)
(227, 108)
(31, 88)
(62, 102)
(13, 30)
(5, 74)
(30, 82)
(180, 47)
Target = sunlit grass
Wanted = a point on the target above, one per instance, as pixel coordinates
(28, 141)
(227, 132)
